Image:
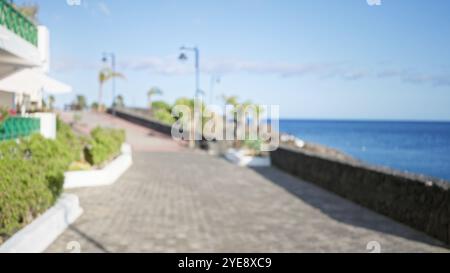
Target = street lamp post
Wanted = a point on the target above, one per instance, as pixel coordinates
(183, 57)
(197, 103)
(113, 67)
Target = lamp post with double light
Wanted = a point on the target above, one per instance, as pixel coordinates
(183, 57)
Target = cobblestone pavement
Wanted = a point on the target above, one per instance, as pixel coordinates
(188, 201)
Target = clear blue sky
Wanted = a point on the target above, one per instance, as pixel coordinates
(315, 58)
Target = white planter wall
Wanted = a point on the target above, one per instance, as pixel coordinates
(48, 124)
(239, 158)
(42, 232)
(104, 177)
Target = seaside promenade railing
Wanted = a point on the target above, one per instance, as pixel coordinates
(18, 23)
(17, 127)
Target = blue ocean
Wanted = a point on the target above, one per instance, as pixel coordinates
(417, 147)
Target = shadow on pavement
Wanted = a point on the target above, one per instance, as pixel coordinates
(341, 209)
(89, 239)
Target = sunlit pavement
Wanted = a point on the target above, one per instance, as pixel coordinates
(177, 200)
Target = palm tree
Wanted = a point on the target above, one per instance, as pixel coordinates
(105, 75)
(81, 103)
(241, 108)
(51, 102)
(102, 78)
(233, 101)
(153, 92)
(120, 101)
(230, 100)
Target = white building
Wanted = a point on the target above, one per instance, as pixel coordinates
(24, 61)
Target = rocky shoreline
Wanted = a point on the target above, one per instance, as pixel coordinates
(298, 144)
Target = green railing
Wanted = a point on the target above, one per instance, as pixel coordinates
(18, 23)
(16, 127)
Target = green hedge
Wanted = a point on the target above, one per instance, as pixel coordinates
(23, 194)
(164, 116)
(158, 105)
(32, 170)
(32, 178)
(105, 144)
(67, 138)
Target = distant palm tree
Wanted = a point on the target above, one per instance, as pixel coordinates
(105, 75)
(233, 101)
(241, 108)
(120, 101)
(230, 100)
(153, 92)
(81, 103)
(51, 102)
(259, 110)
(94, 105)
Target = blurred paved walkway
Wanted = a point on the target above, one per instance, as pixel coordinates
(176, 200)
(140, 138)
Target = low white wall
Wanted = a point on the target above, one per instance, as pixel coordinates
(42, 232)
(239, 158)
(48, 124)
(104, 177)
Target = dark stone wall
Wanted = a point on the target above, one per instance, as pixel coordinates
(140, 118)
(420, 202)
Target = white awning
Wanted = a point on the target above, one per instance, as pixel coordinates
(33, 81)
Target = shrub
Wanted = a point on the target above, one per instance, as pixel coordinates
(23, 195)
(157, 105)
(32, 170)
(254, 145)
(94, 106)
(162, 112)
(164, 116)
(186, 102)
(32, 175)
(27, 188)
(53, 159)
(67, 138)
(104, 145)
